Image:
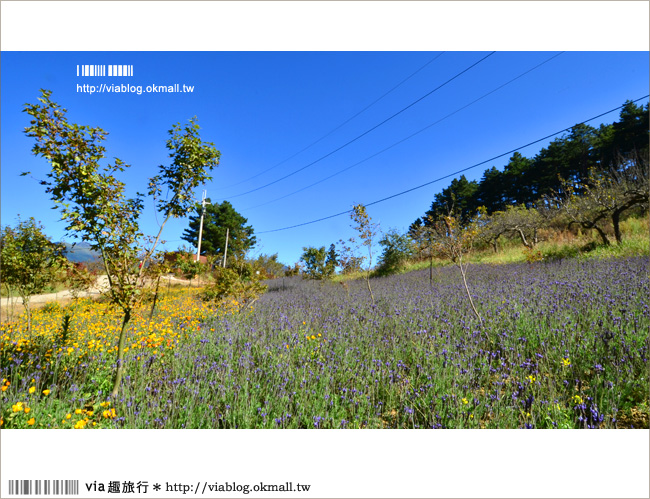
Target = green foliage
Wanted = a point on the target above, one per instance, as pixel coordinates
(93, 202)
(192, 159)
(572, 156)
(457, 199)
(269, 265)
(398, 249)
(29, 260)
(219, 219)
(293, 271)
(187, 264)
(319, 264)
(519, 220)
(241, 283)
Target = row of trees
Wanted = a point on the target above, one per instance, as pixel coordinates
(597, 202)
(590, 177)
(576, 157)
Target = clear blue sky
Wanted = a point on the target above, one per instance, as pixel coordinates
(261, 108)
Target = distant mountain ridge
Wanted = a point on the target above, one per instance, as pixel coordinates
(80, 252)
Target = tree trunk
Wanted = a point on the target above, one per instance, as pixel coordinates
(372, 297)
(155, 297)
(471, 302)
(616, 222)
(29, 314)
(523, 238)
(120, 354)
(602, 235)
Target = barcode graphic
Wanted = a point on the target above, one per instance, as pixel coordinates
(43, 487)
(104, 70)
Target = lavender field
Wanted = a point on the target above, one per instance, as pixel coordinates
(567, 348)
(562, 345)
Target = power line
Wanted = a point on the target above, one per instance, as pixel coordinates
(408, 137)
(339, 126)
(456, 172)
(367, 131)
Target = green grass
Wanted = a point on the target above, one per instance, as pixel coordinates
(635, 242)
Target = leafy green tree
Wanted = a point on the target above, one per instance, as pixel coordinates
(314, 260)
(421, 233)
(93, 202)
(490, 192)
(269, 265)
(29, 261)
(628, 137)
(522, 221)
(241, 282)
(220, 219)
(188, 266)
(397, 250)
(458, 198)
(516, 181)
(293, 271)
(332, 260)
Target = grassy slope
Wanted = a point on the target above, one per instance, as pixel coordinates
(636, 242)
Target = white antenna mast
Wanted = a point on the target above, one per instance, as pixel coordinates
(203, 203)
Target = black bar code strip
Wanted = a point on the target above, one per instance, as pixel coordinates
(43, 487)
(104, 70)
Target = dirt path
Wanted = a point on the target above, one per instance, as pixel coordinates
(65, 296)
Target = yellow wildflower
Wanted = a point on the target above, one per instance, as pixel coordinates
(31, 421)
(465, 401)
(46, 392)
(32, 389)
(17, 407)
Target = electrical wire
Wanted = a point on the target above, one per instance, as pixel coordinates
(367, 131)
(406, 138)
(339, 126)
(453, 173)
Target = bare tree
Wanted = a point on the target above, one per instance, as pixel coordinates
(453, 241)
(605, 196)
(351, 250)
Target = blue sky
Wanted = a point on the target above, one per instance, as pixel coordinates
(261, 109)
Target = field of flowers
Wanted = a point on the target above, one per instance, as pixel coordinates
(562, 345)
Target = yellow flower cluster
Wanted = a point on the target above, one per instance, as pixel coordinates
(94, 329)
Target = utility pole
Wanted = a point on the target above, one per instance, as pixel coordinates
(225, 252)
(203, 203)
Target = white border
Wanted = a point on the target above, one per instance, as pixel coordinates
(342, 463)
(326, 25)
(364, 463)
